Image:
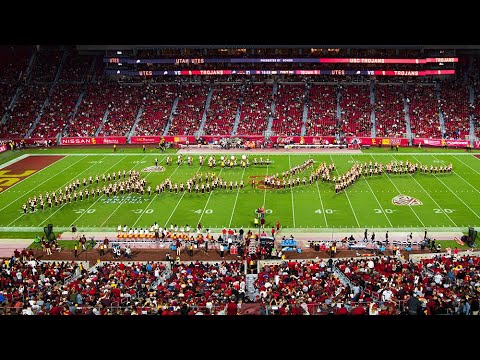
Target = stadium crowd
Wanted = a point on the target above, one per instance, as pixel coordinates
(448, 284)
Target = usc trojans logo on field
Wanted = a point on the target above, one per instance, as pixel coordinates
(7, 179)
(154, 169)
(405, 200)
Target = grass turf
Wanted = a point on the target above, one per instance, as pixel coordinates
(448, 200)
(64, 244)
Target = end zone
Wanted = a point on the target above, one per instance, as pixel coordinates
(24, 167)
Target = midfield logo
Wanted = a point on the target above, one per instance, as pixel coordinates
(154, 169)
(405, 200)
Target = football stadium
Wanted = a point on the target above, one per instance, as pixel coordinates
(227, 180)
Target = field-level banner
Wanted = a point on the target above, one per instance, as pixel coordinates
(378, 141)
(303, 140)
(441, 142)
(212, 138)
(3, 148)
(179, 139)
(145, 139)
(476, 144)
(29, 141)
(110, 140)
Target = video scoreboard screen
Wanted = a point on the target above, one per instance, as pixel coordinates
(195, 61)
(279, 72)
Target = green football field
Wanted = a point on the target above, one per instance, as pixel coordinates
(445, 201)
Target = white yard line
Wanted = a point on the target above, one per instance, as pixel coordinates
(76, 220)
(205, 207)
(61, 187)
(321, 203)
(469, 165)
(457, 196)
(13, 161)
(48, 179)
(291, 191)
(473, 187)
(448, 187)
(250, 152)
(265, 190)
(120, 204)
(426, 192)
(179, 201)
(236, 198)
(375, 196)
(346, 195)
(411, 207)
(37, 187)
(154, 194)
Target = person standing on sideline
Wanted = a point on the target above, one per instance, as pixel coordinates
(365, 235)
(386, 237)
(373, 237)
(262, 222)
(114, 147)
(75, 250)
(206, 245)
(278, 225)
(333, 250)
(178, 244)
(74, 232)
(156, 162)
(425, 237)
(143, 147)
(191, 249)
(222, 251)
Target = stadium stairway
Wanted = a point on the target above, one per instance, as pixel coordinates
(339, 109)
(305, 111)
(406, 109)
(440, 113)
(104, 119)
(239, 110)
(272, 108)
(30, 65)
(76, 275)
(74, 112)
(170, 118)
(47, 100)
(134, 126)
(94, 72)
(250, 289)
(372, 112)
(342, 277)
(19, 89)
(90, 73)
(59, 71)
(207, 105)
(40, 113)
(471, 98)
(10, 106)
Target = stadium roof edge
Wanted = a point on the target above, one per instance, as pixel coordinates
(282, 46)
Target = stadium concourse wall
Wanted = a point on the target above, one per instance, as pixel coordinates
(418, 257)
(307, 140)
